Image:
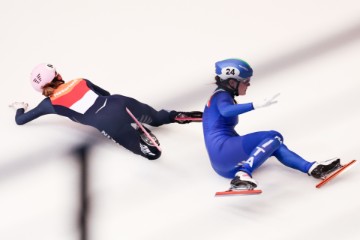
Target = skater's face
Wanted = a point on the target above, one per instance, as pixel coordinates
(241, 87)
(58, 76)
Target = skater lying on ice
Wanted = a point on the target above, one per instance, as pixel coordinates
(83, 102)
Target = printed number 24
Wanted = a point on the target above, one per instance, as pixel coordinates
(230, 71)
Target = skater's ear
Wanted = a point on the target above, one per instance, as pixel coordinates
(233, 83)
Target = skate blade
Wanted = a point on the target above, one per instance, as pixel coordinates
(335, 173)
(244, 192)
(188, 119)
(143, 129)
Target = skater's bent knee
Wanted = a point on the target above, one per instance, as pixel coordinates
(277, 135)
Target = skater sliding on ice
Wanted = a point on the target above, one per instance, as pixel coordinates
(83, 102)
(237, 157)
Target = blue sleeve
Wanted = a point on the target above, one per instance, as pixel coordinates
(44, 107)
(228, 108)
(97, 89)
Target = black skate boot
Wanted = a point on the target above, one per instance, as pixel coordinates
(188, 117)
(146, 139)
(242, 181)
(322, 169)
(147, 147)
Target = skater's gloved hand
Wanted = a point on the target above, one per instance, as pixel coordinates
(266, 102)
(17, 105)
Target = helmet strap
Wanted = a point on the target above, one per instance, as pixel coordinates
(236, 93)
(226, 86)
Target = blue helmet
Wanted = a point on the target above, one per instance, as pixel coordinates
(233, 69)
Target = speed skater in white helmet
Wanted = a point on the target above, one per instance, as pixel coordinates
(42, 75)
(83, 102)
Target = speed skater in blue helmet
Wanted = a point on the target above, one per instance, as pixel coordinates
(230, 72)
(237, 156)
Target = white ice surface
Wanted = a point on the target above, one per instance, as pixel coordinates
(163, 53)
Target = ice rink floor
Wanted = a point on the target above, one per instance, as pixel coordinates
(163, 53)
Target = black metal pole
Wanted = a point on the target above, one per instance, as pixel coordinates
(83, 161)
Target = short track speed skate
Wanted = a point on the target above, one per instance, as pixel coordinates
(334, 174)
(239, 191)
(241, 184)
(231, 192)
(188, 117)
(153, 141)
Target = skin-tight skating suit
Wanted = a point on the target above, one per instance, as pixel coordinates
(82, 101)
(229, 152)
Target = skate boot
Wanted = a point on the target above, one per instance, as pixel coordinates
(145, 138)
(242, 181)
(147, 147)
(322, 169)
(188, 117)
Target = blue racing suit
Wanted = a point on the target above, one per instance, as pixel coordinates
(229, 152)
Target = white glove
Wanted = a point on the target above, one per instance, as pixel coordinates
(266, 102)
(17, 105)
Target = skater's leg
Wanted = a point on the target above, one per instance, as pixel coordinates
(116, 124)
(260, 154)
(147, 114)
(315, 169)
(236, 151)
(135, 141)
(259, 146)
(291, 159)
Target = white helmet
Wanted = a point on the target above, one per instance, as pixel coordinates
(41, 75)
